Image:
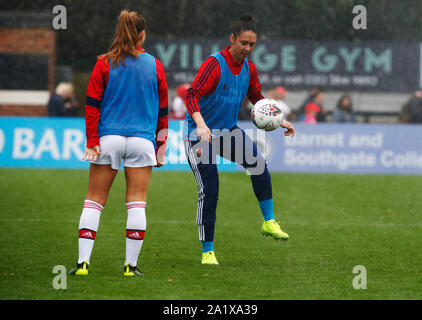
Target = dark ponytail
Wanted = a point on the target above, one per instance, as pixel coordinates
(246, 22)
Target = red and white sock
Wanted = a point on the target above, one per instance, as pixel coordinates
(88, 226)
(135, 230)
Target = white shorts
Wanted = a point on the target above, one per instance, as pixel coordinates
(133, 151)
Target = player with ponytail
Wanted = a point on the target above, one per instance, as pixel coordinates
(126, 118)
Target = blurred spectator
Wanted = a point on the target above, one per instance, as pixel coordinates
(300, 113)
(178, 107)
(311, 112)
(412, 110)
(62, 102)
(279, 94)
(313, 109)
(344, 110)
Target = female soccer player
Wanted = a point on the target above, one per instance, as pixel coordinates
(213, 103)
(126, 119)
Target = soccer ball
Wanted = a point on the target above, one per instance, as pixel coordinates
(267, 114)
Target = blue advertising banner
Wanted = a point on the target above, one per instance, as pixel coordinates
(29, 142)
(333, 148)
(42, 142)
(344, 148)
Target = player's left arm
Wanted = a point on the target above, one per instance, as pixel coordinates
(255, 94)
(162, 124)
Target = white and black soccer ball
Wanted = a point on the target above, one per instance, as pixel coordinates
(267, 114)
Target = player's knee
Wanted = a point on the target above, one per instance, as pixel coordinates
(209, 195)
(210, 188)
(258, 170)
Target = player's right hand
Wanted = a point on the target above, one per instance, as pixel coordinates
(204, 133)
(91, 154)
(202, 130)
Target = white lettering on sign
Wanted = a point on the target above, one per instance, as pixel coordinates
(317, 140)
(25, 147)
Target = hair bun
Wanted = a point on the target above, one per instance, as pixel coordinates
(246, 22)
(247, 17)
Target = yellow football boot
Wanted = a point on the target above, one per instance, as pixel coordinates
(209, 258)
(80, 270)
(272, 228)
(129, 271)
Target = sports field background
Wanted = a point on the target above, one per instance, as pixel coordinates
(335, 222)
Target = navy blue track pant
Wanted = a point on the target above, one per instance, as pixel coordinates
(235, 146)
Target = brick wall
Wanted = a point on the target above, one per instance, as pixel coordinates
(29, 41)
(18, 110)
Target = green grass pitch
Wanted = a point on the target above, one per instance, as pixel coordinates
(335, 222)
